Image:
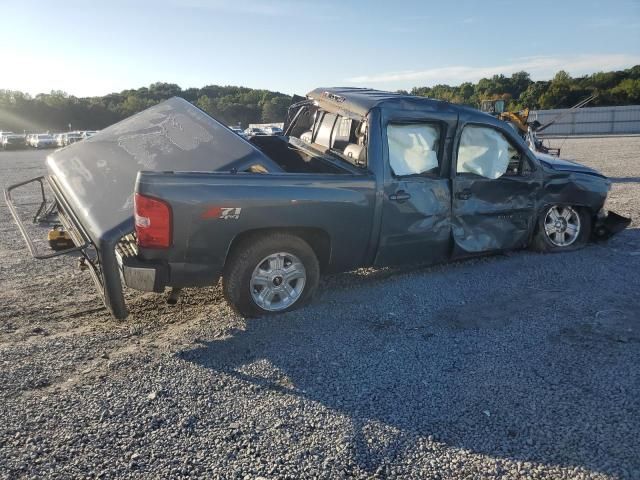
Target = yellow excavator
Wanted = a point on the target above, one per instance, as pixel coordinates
(519, 121)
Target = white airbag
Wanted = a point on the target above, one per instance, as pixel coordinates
(412, 148)
(483, 151)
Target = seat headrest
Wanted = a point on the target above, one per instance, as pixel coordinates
(355, 152)
(306, 136)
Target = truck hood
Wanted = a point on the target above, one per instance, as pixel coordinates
(563, 165)
(97, 175)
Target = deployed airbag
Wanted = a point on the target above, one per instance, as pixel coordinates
(483, 151)
(412, 148)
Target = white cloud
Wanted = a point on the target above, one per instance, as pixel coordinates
(540, 68)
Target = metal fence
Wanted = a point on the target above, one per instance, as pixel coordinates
(591, 121)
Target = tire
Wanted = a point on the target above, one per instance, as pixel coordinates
(548, 238)
(255, 283)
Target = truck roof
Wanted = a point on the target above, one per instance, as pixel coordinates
(360, 101)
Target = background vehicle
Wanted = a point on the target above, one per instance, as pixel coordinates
(43, 140)
(273, 131)
(58, 139)
(253, 131)
(71, 137)
(361, 178)
(30, 140)
(239, 131)
(88, 133)
(3, 133)
(11, 141)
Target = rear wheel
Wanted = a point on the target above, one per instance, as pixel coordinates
(562, 228)
(270, 274)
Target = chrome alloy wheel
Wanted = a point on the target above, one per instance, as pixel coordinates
(277, 281)
(562, 225)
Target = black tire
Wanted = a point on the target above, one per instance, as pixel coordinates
(245, 257)
(542, 243)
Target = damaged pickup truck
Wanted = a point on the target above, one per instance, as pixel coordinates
(172, 198)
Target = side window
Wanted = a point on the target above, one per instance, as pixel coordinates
(413, 148)
(487, 152)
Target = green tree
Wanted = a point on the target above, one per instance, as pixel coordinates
(133, 104)
(207, 105)
(275, 110)
(627, 91)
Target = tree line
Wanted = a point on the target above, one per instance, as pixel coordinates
(519, 91)
(56, 110)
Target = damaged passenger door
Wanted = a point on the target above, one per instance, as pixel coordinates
(415, 226)
(494, 187)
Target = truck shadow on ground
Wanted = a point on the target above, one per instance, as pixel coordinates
(502, 375)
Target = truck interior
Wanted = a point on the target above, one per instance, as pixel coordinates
(318, 142)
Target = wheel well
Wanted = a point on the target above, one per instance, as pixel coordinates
(318, 240)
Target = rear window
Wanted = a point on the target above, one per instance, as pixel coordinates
(342, 133)
(323, 133)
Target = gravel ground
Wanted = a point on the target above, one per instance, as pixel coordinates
(520, 365)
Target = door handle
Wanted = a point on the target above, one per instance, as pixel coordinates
(464, 194)
(399, 196)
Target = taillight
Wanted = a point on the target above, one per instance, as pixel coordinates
(153, 222)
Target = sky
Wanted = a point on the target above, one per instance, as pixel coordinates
(88, 48)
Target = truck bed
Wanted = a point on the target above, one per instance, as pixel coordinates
(293, 158)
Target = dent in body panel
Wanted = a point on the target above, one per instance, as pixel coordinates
(497, 215)
(418, 229)
(575, 189)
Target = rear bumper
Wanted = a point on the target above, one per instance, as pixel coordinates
(140, 276)
(155, 276)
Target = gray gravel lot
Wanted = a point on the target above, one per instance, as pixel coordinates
(520, 365)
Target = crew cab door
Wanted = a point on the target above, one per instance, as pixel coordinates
(494, 187)
(415, 224)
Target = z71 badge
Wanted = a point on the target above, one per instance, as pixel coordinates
(224, 213)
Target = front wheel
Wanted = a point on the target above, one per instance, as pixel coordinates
(270, 274)
(562, 228)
